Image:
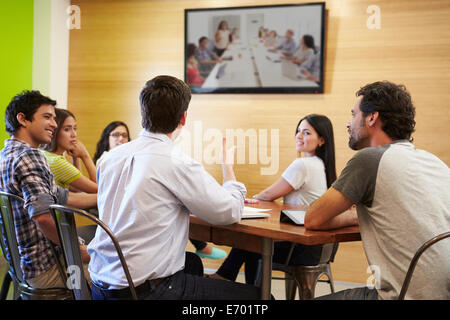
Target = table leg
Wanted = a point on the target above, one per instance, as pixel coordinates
(266, 267)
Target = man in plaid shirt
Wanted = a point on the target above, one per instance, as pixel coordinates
(30, 121)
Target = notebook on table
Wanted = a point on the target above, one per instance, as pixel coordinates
(250, 212)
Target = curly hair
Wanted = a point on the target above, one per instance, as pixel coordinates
(394, 105)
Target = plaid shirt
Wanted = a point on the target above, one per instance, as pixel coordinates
(25, 172)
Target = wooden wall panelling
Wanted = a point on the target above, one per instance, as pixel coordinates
(122, 44)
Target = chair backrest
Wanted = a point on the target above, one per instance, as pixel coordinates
(415, 259)
(67, 232)
(328, 252)
(10, 249)
(64, 219)
(8, 239)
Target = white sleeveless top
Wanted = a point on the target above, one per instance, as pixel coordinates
(224, 39)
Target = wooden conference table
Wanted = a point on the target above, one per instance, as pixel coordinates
(258, 235)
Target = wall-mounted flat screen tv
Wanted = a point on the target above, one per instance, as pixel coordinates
(259, 49)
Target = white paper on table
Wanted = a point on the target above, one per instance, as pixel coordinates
(250, 212)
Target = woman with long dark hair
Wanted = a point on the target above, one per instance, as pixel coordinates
(112, 136)
(303, 182)
(64, 140)
(117, 133)
(305, 51)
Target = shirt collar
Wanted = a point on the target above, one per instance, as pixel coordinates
(401, 141)
(159, 136)
(14, 141)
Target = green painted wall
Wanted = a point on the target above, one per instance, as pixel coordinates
(16, 53)
(41, 49)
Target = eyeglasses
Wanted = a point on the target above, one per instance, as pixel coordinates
(118, 134)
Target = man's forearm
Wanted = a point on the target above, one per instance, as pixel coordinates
(82, 200)
(345, 219)
(332, 210)
(47, 226)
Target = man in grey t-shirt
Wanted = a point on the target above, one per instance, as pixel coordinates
(401, 195)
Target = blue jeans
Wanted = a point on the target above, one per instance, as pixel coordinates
(193, 286)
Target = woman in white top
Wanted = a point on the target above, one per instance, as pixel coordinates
(222, 38)
(304, 181)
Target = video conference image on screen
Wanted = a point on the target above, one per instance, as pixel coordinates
(255, 49)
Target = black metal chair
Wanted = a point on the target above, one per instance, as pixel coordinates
(305, 278)
(65, 224)
(10, 251)
(415, 259)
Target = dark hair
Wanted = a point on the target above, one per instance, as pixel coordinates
(394, 105)
(26, 102)
(164, 99)
(103, 143)
(308, 40)
(220, 24)
(190, 50)
(324, 129)
(201, 39)
(61, 116)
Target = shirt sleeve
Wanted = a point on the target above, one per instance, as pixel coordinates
(62, 195)
(358, 178)
(64, 172)
(292, 48)
(204, 197)
(308, 64)
(36, 182)
(295, 174)
(307, 54)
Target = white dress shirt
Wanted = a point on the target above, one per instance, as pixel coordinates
(146, 190)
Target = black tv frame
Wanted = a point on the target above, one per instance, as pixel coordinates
(319, 89)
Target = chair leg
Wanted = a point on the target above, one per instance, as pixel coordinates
(17, 294)
(5, 286)
(330, 278)
(306, 280)
(290, 287)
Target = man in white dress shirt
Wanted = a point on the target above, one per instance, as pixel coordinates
(147, 189)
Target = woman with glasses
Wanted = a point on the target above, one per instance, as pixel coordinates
(68, 175)
(115, 134)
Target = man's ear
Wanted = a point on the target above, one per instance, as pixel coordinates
(21, 118)
(372, 118)
(183, 118)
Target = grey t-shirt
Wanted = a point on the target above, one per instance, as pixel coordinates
(403, 200)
